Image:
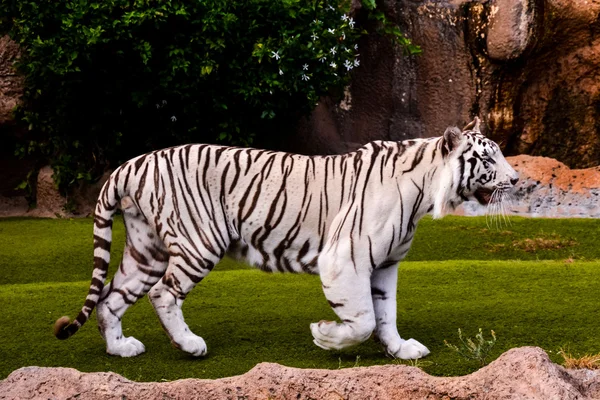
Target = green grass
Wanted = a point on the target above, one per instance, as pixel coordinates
(491, 279)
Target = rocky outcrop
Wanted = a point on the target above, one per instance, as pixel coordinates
(529, 68)
(523, 373)
(548, 188)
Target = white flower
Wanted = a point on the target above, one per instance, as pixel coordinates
(344, 17)
(157, 105)
(305, 67)
(280, 72)
(164, 102)
(331, 8)
(347, 50)
(332, 31)
(316, 21)
(343, 36)
(348, 65)
(356, 63)
(323, 59)
(351, 23)
(355, 47)
(333, 65)
(275, 54)
(314, 36)
(173, 118)
(305, 77)
(332, 51)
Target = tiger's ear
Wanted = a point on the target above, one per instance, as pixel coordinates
(473, 125)
(452, 138)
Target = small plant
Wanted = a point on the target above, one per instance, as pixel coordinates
(588, 361)
(417, 362)
(356, 363)
(479, 349)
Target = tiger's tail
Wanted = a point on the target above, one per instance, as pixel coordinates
(106, 208)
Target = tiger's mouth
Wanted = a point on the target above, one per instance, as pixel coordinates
(483, 196)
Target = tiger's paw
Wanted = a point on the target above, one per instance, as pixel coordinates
(409, 350)
(126, 347)
(192, 344)
(330, 335)
(321, 332)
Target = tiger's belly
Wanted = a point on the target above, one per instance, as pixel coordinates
(280, 256)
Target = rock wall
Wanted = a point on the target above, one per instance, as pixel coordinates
(529, 68)
(522, 373)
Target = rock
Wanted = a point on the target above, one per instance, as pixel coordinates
(511, 28)
(548, 188)
(11, 84)
(13, 170)
(522, 373)
(13, 206)
(50, 203)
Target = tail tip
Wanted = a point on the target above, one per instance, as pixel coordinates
(61, 330)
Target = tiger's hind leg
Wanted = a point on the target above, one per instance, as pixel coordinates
(167, 296)
(144, 262)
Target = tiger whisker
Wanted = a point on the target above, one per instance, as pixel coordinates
(497, 212)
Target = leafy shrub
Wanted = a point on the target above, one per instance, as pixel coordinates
(106, 80)
(110, 79)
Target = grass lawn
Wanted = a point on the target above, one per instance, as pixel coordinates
(535, 282)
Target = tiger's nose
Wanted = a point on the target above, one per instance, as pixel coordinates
(514, 181)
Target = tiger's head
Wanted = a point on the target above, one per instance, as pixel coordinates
(477, 169)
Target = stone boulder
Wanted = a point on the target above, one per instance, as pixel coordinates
(521, 373)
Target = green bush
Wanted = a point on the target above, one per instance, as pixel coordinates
(110, 79)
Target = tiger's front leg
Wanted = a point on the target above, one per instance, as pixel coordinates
(383, 290)
(348, 291)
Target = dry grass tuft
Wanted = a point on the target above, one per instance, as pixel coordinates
(531, 245)
(552, 242)
(588, 361)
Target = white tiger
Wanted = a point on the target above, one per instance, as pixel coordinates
(349, 218)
